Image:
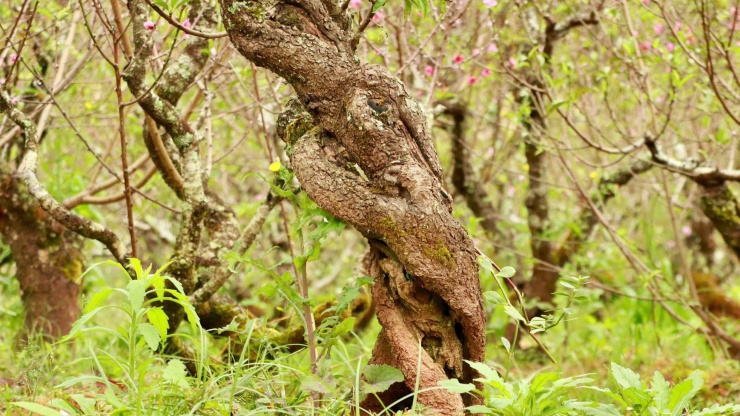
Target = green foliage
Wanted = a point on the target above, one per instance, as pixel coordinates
(552, 394)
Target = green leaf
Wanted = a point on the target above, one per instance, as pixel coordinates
(683, 392)
(313, 383)
(378, 4)
(494, 298)
(380, 377)
(507, 344)
(37, 408)
(512, 312)
(541, 380)
(506, 272)
(87, 404)
(136, 265)
(97, 300)
(625, 377)
(486, 264)
(661, 391)
(150, 334)
(454, 386)
(479, 410)
(344, 327)
(636, 398)
(485, 371)
(159, 319)
(176, 373)
(136, 291)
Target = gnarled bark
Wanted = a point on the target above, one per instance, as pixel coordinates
(363, 152)
(47, 258)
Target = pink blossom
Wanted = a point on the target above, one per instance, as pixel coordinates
(429, 70)
(670, 244)
(490, 152)
(510, 191)
(419, 95)
(186, 24)
(149, 25)
(645, 46)
(492, 48)
(646, 2)
(686, 230)
(677, 26)
(472, 80)
(476, 52)
(733, 10)
(512, 62)
(670, 47)
(485, 72)
(735, 26)
(590, 255)
(658, 29)
(490, 3)
(458, 59)
(13, 58)
(2, 81)
(520, 177)
(15, 100)
(355, 4)
(378, 17)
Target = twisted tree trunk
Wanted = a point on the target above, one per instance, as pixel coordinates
(361, 148)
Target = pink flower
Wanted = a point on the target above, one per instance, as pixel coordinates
(512, 62)
(510, 191)
(419, 95)
(677, 26)
(15, 100)
(645, 46)
(646, 2)
(378, 17)
(686, 230)
(490, 3)
(2, 81)
(458, 59)
(149, 25)
(429, 70)
(472, 80)
(490, 152)
(485, 72)
(186, 24)
(670, 47)
(13, 58)
(658, 29)
(670, 244)
(492, 48)
(733, 10)
(355, 4)
(476, 52)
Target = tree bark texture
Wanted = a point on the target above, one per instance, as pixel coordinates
(47, 258)
(361, 149)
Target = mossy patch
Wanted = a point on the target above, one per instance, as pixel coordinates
(440, 253)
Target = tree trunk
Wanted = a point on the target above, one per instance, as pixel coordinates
(361, 148)
(47, 259)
